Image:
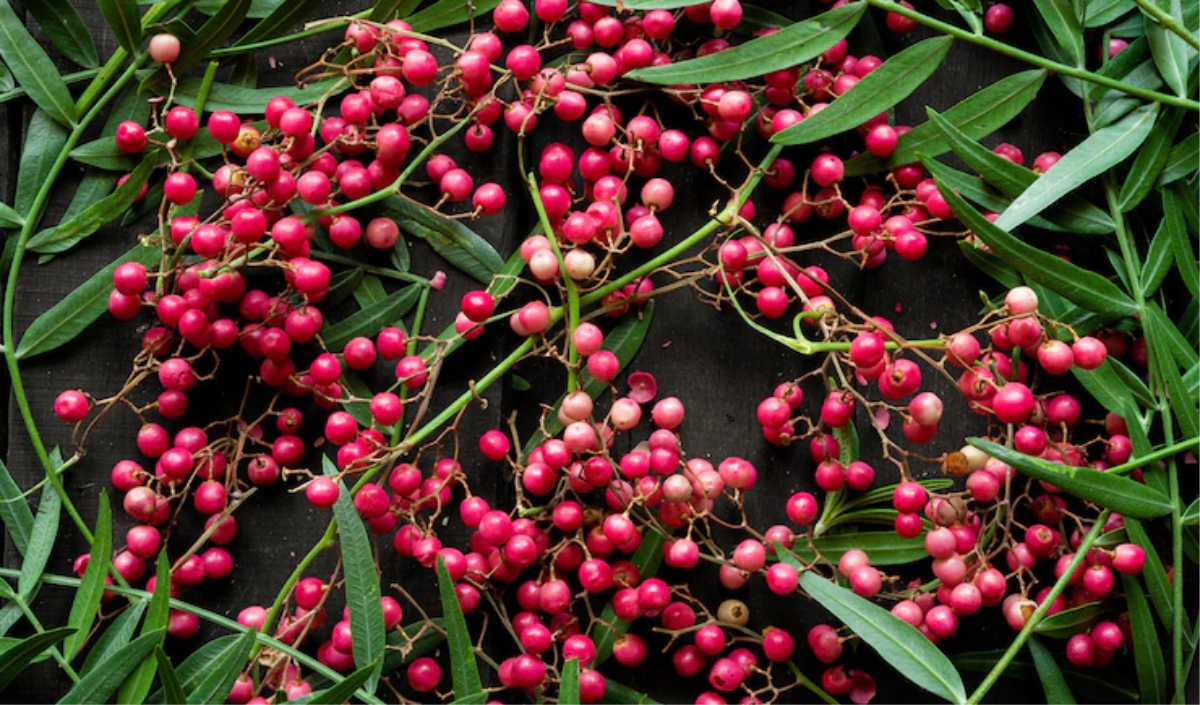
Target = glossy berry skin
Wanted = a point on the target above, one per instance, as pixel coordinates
(71, 406)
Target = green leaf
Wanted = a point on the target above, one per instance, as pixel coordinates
(222, 672)
(44, 140)
(353, 383)
(1101, 151)
(1191, 515)
(422, 639)
(608, 628)
(1105, 686)
(455, 242)
(1182, 403)
(15, 511)
(117, 635)
(1181, 244)
(97, 686)
(615, 692)
(1170, 338)
(64, 236)
(1101, 12)
(464, 671)
(344, 689)
(258, 8)
(568, 689)
(1181, 160)
(755, 18)
(790, 46)
(281, 19)
(1114, 492)
(1155, 575)
(210, 35)
(9, 218)
(1171, 53)
(448, 13)
(624, 341)
(1053, 683)
(991, 265)
(125, 21)
(1147, 649)
(1060, 18)
(170, 680)
(201, 661)
(91, 587)
(369, 291)
(137, 685)
(646, 4)
(976, 116)
(362, 582)
(1159, 259)
(1073, 214)
(885, 547)
(883, 88)
(370, 320)
(15, 658)
(41, 542)
(33, 69)
(63, 25)
(1081, 286)
(897, 642)
(75, 312)
(1069, 622)
(1150, 159)
(1104, 385)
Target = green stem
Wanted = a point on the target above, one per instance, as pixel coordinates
(1168, 22)
(321, 26)
(210, 74)
(1034, 619)
(568, 282)
(10, 295)
(67, 79)
(1034, 59)
(370, 269)
(812, 687)
(220, 620)
(1177, 563)
(326, 541)
(411, 349)
(37, 626)
(1161, 453)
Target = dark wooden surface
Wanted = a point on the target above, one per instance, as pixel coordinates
(709, 359)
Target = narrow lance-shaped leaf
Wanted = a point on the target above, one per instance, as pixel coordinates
(449, 13)
(341, 693)
(1101, 151)
(370, 320)
(41, 543)
(125, 22)
(1101, 12)
(1114, 492)
(646, 4)
(1069, 622)
(1157, 582)
(1147, 650)
(568, 688)
(9, 218)
(15, 658)
(884, 87)
(885, 547)
(464, 671)
(1182, 160)
(97, 686)
(66, 235)
(1182, 403)
(1072, 214)
(1150, 159)
(976, 116)
(44, 140)
(282, 18)
(1106, 686)
(1159, 259)
(118, 634)
(1104, 385)
(170, 680)
(33, 69)
(91, 587)
(1181, 243)
(457, 243)
(138, 683)
(790, 46)
(63, 25)
(1083, 287)
(216, 683)
(1053, 683)
(15, 511)
(897, 642)
(1059, 16)
(1171, 53)
(199, 664)
(212, 34)
(362, 582)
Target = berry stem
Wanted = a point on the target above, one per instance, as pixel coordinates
(1034, 59)
(1034, 619)
(568, 282)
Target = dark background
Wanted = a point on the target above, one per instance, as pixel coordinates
(709, 359)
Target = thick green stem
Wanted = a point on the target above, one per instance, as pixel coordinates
(1160, 454)
(37, 626)
(812, 687)
(10, 295)
(1168, 22)
(1034, 59)
(325, 542)
(1034, 619)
